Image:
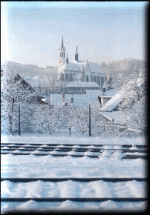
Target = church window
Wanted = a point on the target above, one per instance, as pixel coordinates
(87, 78)
(66, 77)
(91, 77)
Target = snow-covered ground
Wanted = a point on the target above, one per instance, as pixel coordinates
(108, 165)
(46, 139)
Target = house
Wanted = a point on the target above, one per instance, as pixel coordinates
(113, 121)
(113, 116)
(26, 93)
(79, 87)
(103, 100)
(16, 102)
(106, 95)
(113, 103)
(130, 132)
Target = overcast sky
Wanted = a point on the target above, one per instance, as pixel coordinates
(103, 31)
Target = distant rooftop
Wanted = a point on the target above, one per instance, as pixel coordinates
(82, 84)
(117, 117)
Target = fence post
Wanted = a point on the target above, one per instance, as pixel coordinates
(69, 131)
(89, 120)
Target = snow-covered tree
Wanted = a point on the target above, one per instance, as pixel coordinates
(136, 115)
(16, 92)
(134, 103)
(122, 71)
(82, 115)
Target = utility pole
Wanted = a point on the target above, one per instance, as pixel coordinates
(12, 115)
(89, 120)
(19, 130)
(10, 123)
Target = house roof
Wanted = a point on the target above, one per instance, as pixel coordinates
(94, 67)
(116, 116)
(135, 132)
(72, 66)
(105, 96)
(110, 92)
(82, 84)
(38, 81)
(113, 102)
(118, 97)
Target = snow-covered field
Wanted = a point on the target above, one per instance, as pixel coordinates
(46, 139)
(108, 165)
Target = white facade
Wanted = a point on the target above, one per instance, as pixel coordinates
(79, 70)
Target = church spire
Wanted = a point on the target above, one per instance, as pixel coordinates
(76, 54)
(76, 49)
(62, 43)
(62, 51)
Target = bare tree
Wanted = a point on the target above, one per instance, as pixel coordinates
(53, 85)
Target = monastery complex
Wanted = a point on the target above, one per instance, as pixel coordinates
(79, 70)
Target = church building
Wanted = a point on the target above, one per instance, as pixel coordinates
(78, 70)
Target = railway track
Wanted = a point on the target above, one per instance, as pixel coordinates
(81, 184)
(74, 189)
(93, 151)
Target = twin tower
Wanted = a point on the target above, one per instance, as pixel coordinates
(62, 51)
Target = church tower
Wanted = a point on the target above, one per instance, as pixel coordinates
(62, 51)
(76, 54)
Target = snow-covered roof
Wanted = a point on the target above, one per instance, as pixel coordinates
(80, 61)
(82, 84)
(37, 81)
(43, 100)
(78, 65)
(110, 92)
(113, 102)
(118, 97)
(117, 116)
(134, 130)
(94, 67)
(72, 66)
(105, 96)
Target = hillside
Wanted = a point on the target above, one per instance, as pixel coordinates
(29, 71)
